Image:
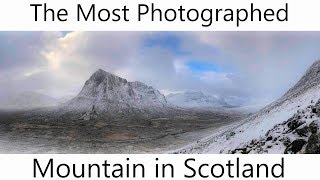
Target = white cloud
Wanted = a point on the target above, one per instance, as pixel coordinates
(262, 63)
(268, 62)
(211, 77)
(180, 66)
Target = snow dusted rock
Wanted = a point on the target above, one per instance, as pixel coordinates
(192, 99)
(107, 92)
(283, 120)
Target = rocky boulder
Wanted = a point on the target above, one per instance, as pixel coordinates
(295, 146)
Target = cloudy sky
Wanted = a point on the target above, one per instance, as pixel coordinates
(250, 66)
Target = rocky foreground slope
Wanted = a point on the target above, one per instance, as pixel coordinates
(299, 134)
(275, 128)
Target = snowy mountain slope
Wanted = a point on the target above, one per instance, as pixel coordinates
(107, 92)
(28, 100)
(302, 95)
(299, 134)
(193, 99)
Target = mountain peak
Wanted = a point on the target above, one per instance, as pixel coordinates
(101, 72)
(101, 76)
(108, 92)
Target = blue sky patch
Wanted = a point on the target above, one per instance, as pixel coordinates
(167, 41)
(201, 66)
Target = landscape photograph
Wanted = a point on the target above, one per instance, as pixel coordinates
(160, 92)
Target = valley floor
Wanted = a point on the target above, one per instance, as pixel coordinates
(20, 133)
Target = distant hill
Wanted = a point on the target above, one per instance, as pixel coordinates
(194, 99)
(28, 100)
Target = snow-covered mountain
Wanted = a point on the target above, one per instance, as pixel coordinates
(109, 93)
(194, 99)
(275, 128)
(28, 100)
